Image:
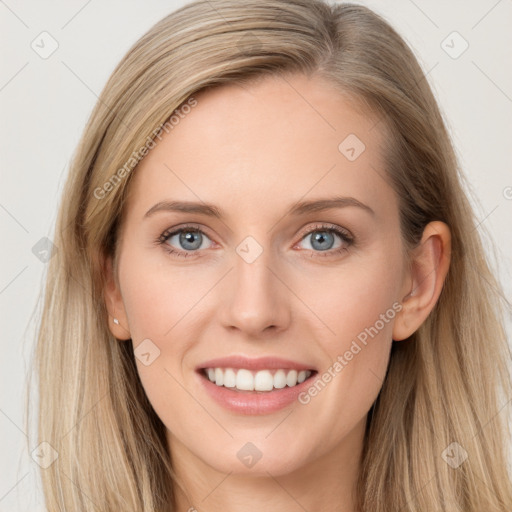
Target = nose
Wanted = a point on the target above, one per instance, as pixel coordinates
(257, 301)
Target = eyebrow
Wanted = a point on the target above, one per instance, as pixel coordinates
(300, 208)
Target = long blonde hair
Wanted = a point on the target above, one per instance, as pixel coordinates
(444, 385)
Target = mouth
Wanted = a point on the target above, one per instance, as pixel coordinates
(254, 386)
(261, 381)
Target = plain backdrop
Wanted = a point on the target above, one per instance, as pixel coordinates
(46, 100)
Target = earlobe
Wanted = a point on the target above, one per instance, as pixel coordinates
(117, 319)
(429, 267)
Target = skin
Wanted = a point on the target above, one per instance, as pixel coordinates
(254, 151)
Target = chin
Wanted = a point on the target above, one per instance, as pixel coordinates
(257, 459)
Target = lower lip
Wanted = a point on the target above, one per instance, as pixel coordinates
(254, 402)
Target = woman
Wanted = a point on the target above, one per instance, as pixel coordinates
(270, 289)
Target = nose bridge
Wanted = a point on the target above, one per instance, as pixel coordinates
(256, 299)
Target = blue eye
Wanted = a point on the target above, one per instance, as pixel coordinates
(189, 240)
(323, 237)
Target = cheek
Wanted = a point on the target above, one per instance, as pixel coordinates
(158, 304)
(157, 298)
(163, 306)
(359, 309)
(355, 299)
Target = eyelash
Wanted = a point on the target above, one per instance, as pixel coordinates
(345, 236)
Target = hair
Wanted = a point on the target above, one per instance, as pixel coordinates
(444, 384)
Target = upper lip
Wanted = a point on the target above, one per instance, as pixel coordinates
(260, 363)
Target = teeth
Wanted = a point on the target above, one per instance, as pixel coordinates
(229, 378)
(291, 378)
(219, 377)
(263, 380)
(244, 380)
(280, 379)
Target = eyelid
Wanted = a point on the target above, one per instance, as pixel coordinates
(183, 227)
(327, 226)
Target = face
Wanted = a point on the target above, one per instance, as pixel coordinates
(259, 270)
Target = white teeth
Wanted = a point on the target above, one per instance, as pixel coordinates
(262, 380)
(244, 380)
(291, 378)
(280, 379)
(229, 378)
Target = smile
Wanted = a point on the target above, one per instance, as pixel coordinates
(254, 386)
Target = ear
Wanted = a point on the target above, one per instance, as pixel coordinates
(114, 304)
(425, 279)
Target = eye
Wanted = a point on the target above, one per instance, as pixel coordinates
(322, 239)
(187, 240)
(183, 241)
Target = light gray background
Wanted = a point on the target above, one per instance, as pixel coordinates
(46, 102)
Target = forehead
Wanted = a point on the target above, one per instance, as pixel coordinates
(269, 142)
